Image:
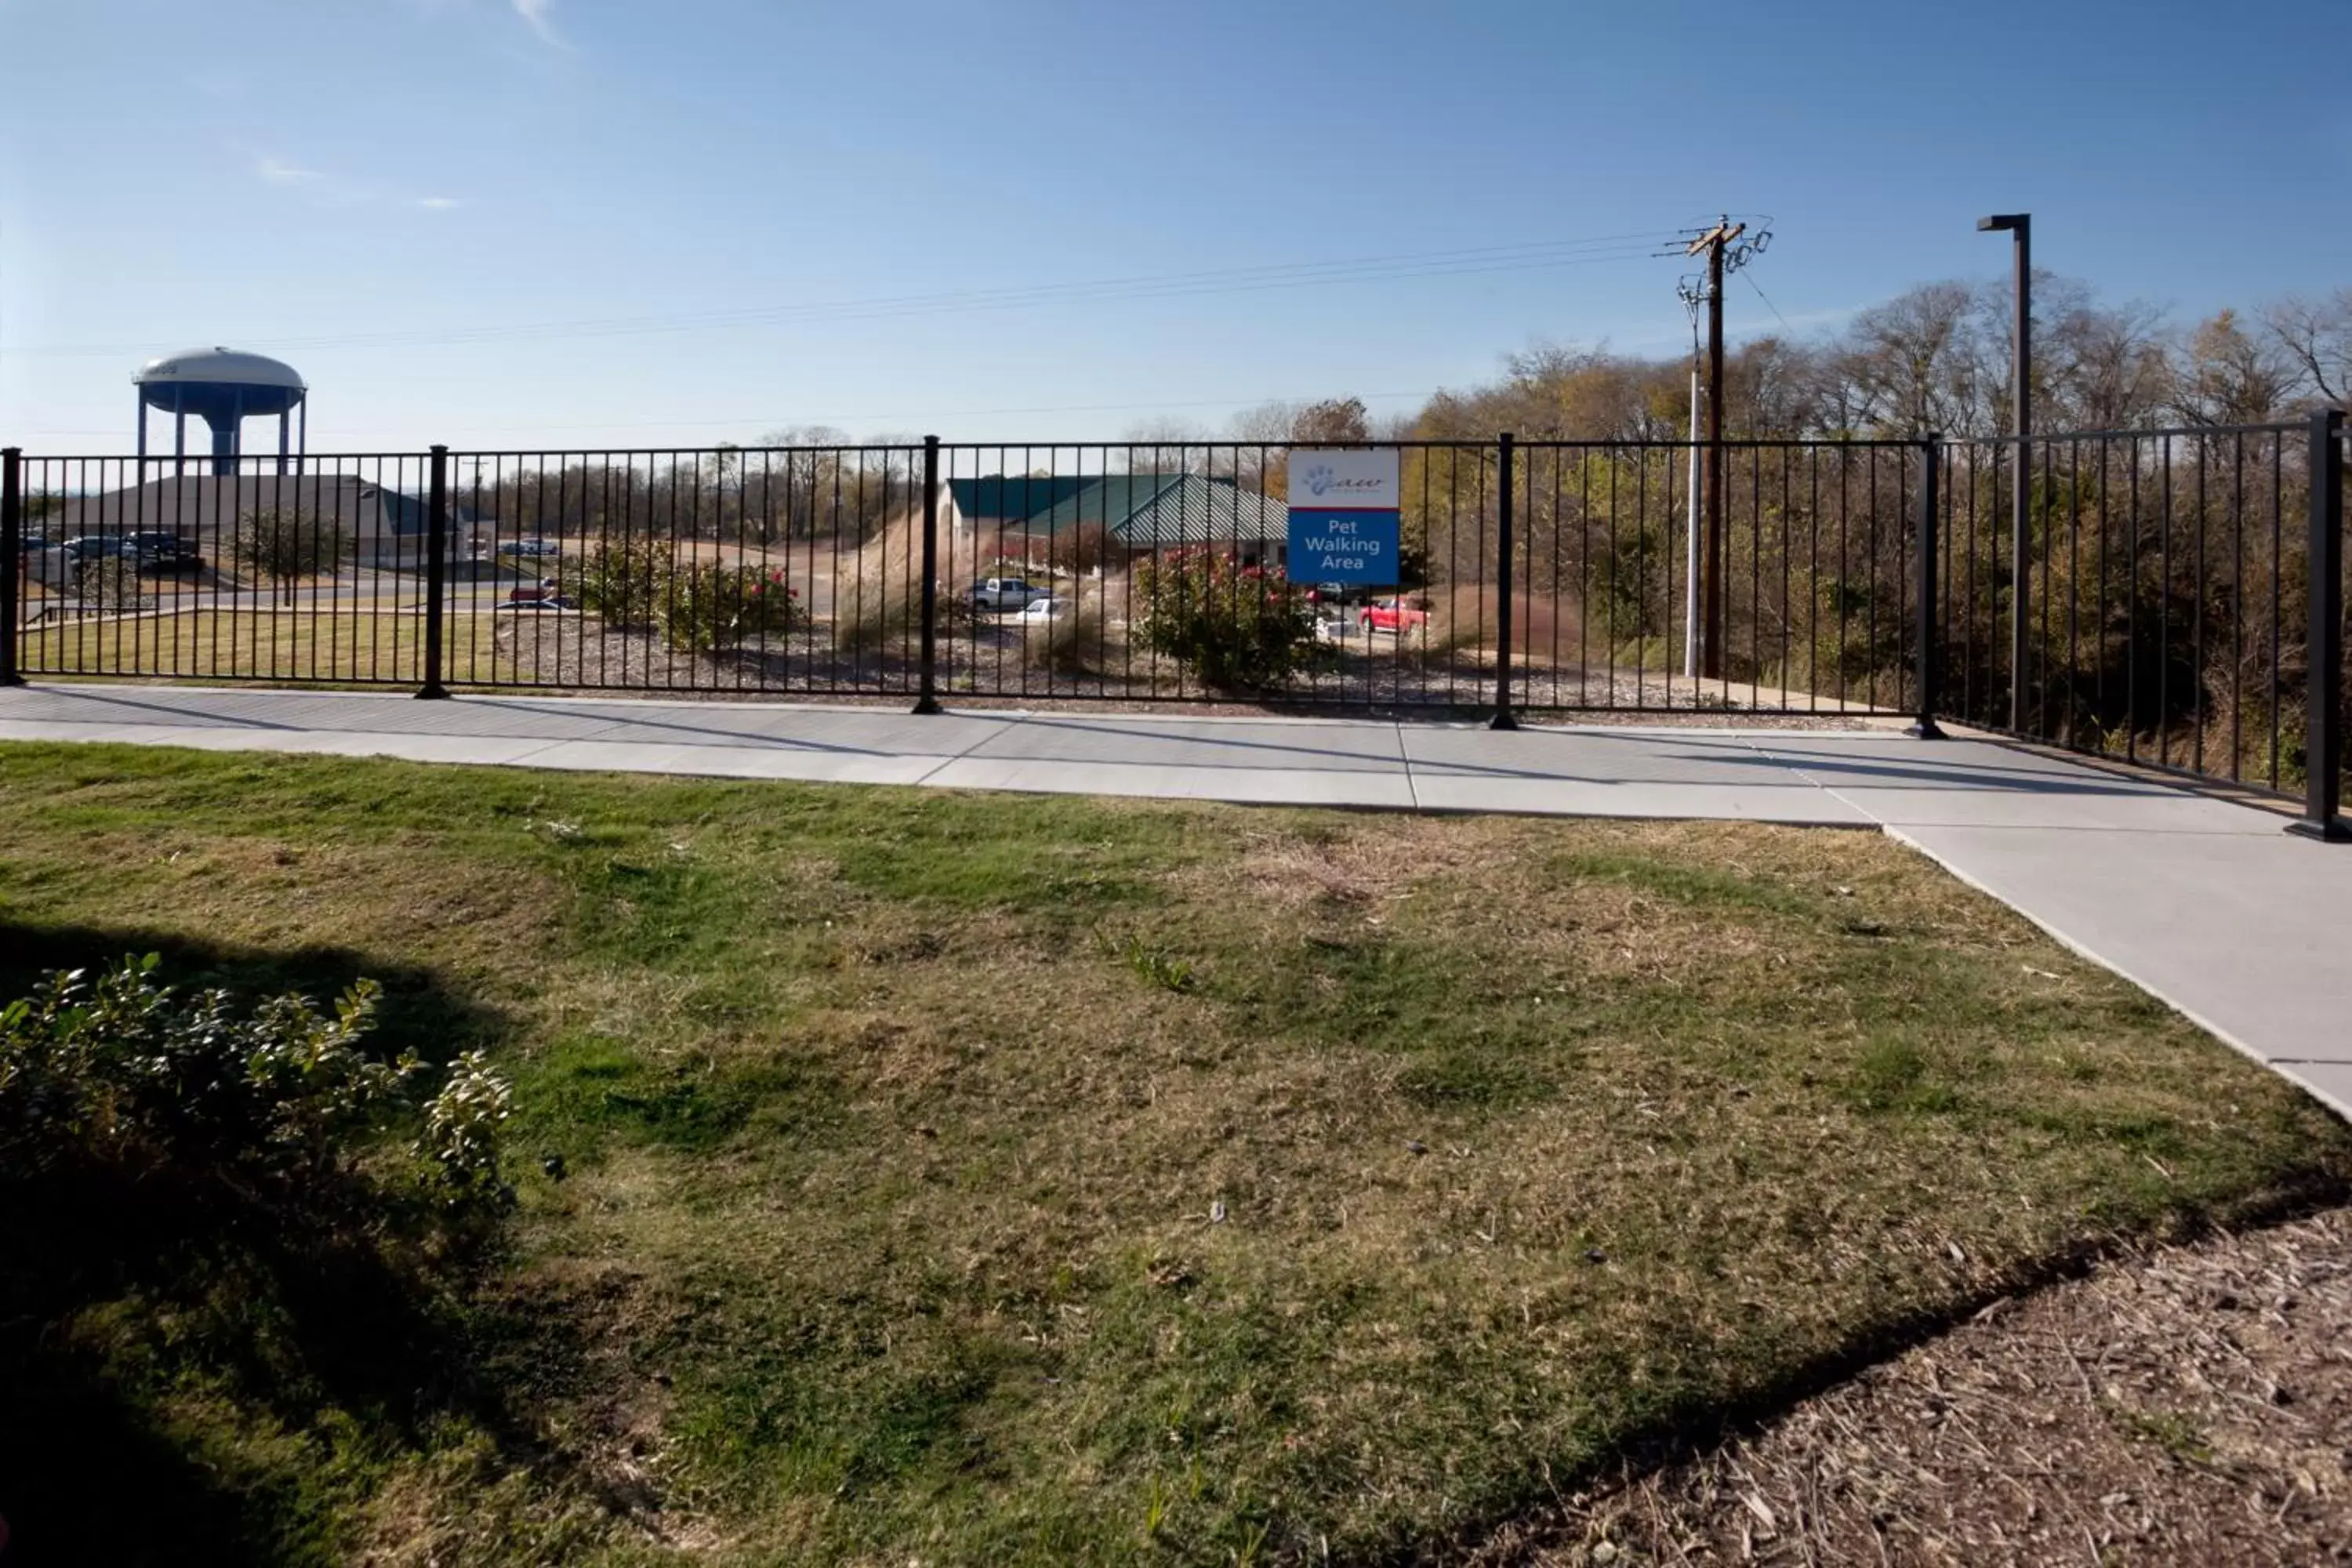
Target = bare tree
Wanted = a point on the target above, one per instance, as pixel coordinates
(2230, 376)
(1919, 362)
(1168, 444)
(2096, 367)
(286, 544)
(2317, 335)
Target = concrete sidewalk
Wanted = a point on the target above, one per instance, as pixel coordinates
(2205, 903)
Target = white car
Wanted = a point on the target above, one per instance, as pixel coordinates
(1048, 608)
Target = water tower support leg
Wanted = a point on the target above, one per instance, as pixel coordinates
(285, 422)
(143, 435)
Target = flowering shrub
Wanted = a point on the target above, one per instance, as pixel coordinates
(697, 606)
(704, 606)
(1238, 626)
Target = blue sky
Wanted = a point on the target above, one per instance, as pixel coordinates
(483, 221)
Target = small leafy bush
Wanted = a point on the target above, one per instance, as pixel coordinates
(619, 583)
(696, 606)
(124, 1075)
(706, 607)
(1238, 627)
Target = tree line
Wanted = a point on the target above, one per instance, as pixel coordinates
(804, 483)
(1935, 357)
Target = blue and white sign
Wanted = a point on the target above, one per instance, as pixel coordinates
(1358, 547)
(1343, 516)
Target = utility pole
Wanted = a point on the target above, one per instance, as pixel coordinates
(1725, 255)
(1721, 236)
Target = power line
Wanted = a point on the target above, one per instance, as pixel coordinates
(1767, 301)
(1533, 254)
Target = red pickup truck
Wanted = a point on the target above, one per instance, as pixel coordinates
(1404, 614)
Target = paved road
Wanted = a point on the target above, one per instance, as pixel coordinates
(404, 590)
(2204, 902)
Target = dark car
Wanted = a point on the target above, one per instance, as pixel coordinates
(84, 548)
(163, 553)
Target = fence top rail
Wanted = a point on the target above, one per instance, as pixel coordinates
(200, 465)
(265, 465)
(845, 449)
(1461, 443)
(259, 464)
(2163, 433)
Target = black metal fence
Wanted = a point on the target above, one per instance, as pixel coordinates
(120, 567)
(1537, 575)
(2165, 584)
(2179, 594)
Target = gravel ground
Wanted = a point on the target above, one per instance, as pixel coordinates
(2191, 1406)
(576, 653)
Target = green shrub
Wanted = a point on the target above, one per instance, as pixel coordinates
(706, 607)
(1238, 627)
(620, 583)
(696, 606)
(123, 1076)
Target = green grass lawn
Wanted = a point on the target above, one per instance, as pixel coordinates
(979, 1179)
(306, 641)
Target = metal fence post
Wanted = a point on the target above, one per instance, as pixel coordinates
(436, 571)
(927, 700)
(1928, 659)
(1503, 718)
(2323, 738)
(12, 553)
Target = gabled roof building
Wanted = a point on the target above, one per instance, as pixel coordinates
(1138, 513)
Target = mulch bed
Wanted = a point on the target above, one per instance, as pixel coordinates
(2190, 1406)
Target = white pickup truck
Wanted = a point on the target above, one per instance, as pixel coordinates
(1005, 594)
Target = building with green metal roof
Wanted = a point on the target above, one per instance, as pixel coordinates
(1138, 513)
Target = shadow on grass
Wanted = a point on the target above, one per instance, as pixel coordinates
(196, 1367)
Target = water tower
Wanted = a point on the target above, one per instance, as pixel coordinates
(223, 388)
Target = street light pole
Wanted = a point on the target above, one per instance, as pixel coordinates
(2020, 475)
